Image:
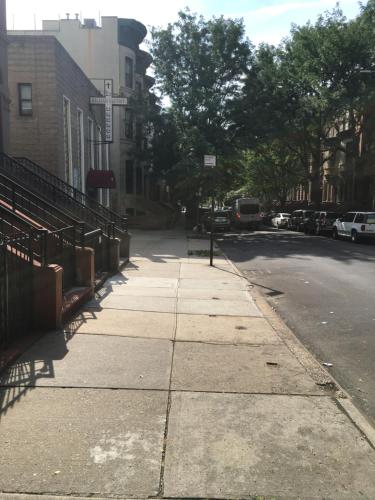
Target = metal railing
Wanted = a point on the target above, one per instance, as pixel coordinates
(16, 287)
(79, 202)
(18, 198)
(99, 240)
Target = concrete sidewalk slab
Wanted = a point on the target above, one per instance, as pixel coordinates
(191, 293)
(241, 368)
(207, 272)
(134, 267)
(232, 330)
(147, 282)
(277, 446)
(130, 303)
(125, 323)
(83, 442)
(217, 284)
(223, 307)
(135, 291)
(94, 361)
(152, 273)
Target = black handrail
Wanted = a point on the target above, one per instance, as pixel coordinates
(76, 194)
(32, 205)
(26, 177)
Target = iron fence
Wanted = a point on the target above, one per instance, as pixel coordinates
(16, 287)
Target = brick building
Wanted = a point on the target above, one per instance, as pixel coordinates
(51, 120)
(4, 99)
(112, 51)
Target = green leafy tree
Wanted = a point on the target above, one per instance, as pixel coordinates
(301, 91)
(270, 171)
(199, 64)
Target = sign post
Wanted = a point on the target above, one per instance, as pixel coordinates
(109, 101)
(210, 161)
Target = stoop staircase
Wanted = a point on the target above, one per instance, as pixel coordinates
(56, 245)
(61, 194)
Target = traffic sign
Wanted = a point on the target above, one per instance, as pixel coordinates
(209, 160)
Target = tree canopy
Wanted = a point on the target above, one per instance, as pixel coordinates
(268, 112)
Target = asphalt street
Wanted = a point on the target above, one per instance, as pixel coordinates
(325, 292)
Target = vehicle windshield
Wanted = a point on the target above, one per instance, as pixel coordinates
(247, 209)
(370, 218)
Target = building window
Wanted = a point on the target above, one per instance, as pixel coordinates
(129, 119)
(67, 140)
(25, 99)
(123, 179)
(138, 87)
(79, 170)
(129, 168)
(91, 147)
(139, 180)
(138, 134)
(128, 72)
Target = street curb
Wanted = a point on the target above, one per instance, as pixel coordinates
(317, 372)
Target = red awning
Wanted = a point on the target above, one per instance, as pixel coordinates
(101, 179)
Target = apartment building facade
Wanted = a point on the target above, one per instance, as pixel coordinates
(4, 97)
(112, 52)
(51, 120)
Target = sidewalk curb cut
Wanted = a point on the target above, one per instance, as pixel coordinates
(318, 373)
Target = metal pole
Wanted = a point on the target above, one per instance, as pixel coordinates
(212, 231)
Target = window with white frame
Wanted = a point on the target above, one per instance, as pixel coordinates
(67, 140)
(91, 144)
(79, 170)
(25, 101)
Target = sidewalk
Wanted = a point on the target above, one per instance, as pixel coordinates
(174, 382)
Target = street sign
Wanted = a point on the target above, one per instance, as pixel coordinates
(209, 160)
(108, 101)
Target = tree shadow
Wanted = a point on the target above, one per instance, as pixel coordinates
(274, 245)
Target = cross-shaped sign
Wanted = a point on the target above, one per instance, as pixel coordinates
(108, 100)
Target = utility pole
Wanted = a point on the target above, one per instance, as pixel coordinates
(210, 161)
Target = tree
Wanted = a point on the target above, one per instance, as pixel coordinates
(199, 64)
(302, 91)
(271, 171)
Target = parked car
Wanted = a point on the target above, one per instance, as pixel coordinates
(321, 222)
(267, 218)
(280, 220)
(355, 225)
(221, 221)
(298, 218)
(246, 213)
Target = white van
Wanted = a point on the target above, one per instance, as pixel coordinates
(246, 213)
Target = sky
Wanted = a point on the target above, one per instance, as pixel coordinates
(265, 20)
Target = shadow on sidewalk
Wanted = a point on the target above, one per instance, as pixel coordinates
(34, 364)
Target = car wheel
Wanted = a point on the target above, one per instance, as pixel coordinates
(335, 234)
(354, 236)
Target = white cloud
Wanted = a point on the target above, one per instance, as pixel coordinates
(283, 8)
